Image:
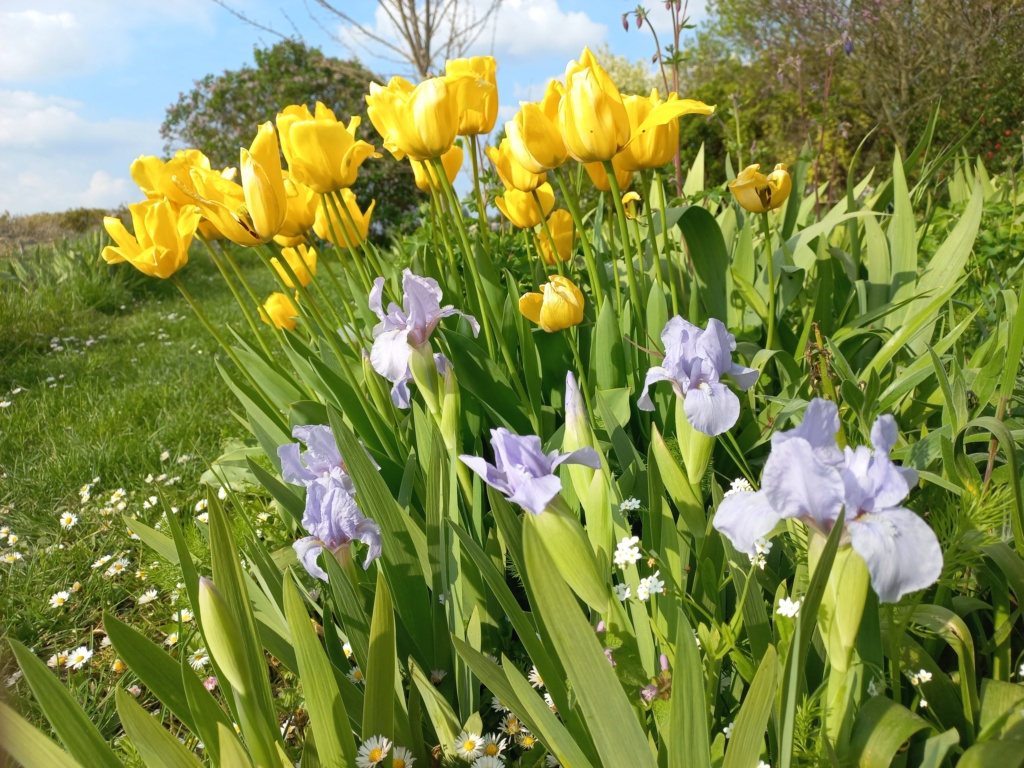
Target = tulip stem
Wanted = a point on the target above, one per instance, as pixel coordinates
(574, 346)
(328, 201)
(437, 210)
(551, 241)
(771, 280)
(588, 249)
(658, 250)
(234, 292)
(365, 245)
(481, 205)
(634, 293)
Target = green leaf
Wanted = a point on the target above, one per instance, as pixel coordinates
(152, 538)
(902, 243)
(155, 744)
(691, 510)
(72, 726)
(572, 554)
(881, 728)
(378, 706)
(334, 743)
(937, 747)
(232, 752)
(608, 356)
(446, 725)
(710, 258)
(747, 741)
(617, 735)
(1005, 754)
(687, 732)
(27, 745)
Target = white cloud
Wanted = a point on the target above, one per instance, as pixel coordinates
(53, 158)
(34, 44)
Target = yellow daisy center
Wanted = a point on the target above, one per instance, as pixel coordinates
(491, 750)
(376, 755)
(398, 763)
(469, 745)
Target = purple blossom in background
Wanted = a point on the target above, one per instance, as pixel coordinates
(808, 478)
(333, 519)
(399, 330)
(523, 472)
(695, 361)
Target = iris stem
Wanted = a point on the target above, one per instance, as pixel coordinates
(771, 280)
(634, 293)
(588, 250)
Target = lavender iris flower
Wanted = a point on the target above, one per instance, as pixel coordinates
(523, 472)
(399, 330)
(695, 361)
(331, 514)
(808, 478)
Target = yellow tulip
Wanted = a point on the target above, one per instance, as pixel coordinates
(158, 179)
(322, 152)
(535, 135)
(327, 230)
(420, 122)
(557, 307)
(594, 122)
(521, 209)
(563, 231)
(302, 260)
(302, 204)
(253, 212)
(424, 174)
(599, 176)
(630, 200)
(512, 174)
(163, 233)
(654, 125)
(476, 88)
(279, 312)
(759, 193)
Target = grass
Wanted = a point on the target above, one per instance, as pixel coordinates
(103, 372)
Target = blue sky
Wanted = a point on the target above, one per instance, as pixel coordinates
(84, 85)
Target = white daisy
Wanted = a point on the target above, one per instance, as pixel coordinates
(58, 659)
(13, 539)
(116, 496)
(402, 758)
(728, 730)
(356, 676)
(511, 725)
(497, 706)
(171, 639)
(469, 746)
(11, 557)
(118, 567)
(78, 657)
(550, 761)
(347, 649)
(489, 762)
(151, 502)
(203, 517)
(5, 403)
(627, 552)
(493, 745)
(184, 458)
(535, 679)
(184, 615)
(437, 675)
(551, 702)
(165, 456)
(223, 494)
(526, 740)
(201, 505)
(147, 597)
(68, 520)
(373, 751)
(100, 562)
(199, 659)
(57, 599)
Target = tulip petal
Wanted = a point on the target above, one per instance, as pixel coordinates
(672, 110)
(530, 304)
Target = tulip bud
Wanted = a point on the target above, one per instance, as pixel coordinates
(521, 209)
(476, 91)
(594, 121)
(625, 22)
(560, 306)
(563, 231)
(279, 311)
(425, 175)
(301, 261)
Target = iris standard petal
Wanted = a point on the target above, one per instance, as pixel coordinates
(799, 485)
(900, 550)
(745, 517)
(819, 427)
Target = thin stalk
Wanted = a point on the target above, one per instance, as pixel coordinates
(551, 240)
(588, 250)
(574, 346)
(771, 281)
(238, 297)
(437, 209)
(481, 204)
(634, 293)
(654, 237)
(328, 202)
(365, 245)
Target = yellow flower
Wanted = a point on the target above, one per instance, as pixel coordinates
(535, 135)
(558, 307)
(562, 230)
(163, 233)
(595, 125)
(513, 175)
(420, 122)
(629, 203)
(279, 312)
(302, 204)
(451, 160)
(158, 179)
(759, 193)
(302, 260)
(599, 176)
(476, 88)
(521, 209)
(326, 230)
(322, 152)
(253, 212)
(654, 125)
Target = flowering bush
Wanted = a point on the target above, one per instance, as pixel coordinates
(580, 589)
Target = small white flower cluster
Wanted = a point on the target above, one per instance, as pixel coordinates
(739, 485)
(373, 751)
(916, 679)
(627, 551)
(486, 751)
(630, 505)
(762, 547)
(650, 585)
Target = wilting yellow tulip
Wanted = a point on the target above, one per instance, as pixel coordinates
(420, 122)
(327, 230)
(654, 125)
(521, 209)
(594, 122)
(302, 260)
(559, 306)
(322, 152)
(476, 91)
(163, 233)
(279, 312)
(302, 204)
(563, 231)
(534, 134)
(512, 174)
(452, 162)
(158, 179)
(255, 211)
(630, 200)
(759, 193)
(599, 176)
